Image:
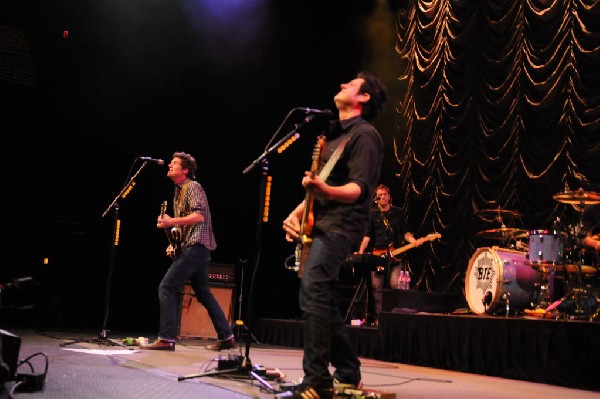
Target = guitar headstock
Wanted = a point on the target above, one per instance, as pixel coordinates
(431, 237)
(318, 153)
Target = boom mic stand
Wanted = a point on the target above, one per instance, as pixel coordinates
(239, 323)
(103, 338)
(245, 367)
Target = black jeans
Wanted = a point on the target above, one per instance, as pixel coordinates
(326, 337)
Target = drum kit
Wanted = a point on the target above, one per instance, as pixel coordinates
(517, 277)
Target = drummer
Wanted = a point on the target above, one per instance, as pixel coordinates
(591, 225)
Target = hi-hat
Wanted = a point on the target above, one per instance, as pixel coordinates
(501, 233)
(497, 213)
(578, 197)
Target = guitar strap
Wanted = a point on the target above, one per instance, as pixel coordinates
(324, 174)
(179, 201)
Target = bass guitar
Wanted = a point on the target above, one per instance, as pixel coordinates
(308, 221)
(173, 234)
(391, 253)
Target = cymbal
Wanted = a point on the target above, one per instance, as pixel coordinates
(501, 233)
(570, 268)
(585, 269)
(578, 197)
(495, 213)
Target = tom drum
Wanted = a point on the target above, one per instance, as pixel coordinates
(545, 247)
(498, 279)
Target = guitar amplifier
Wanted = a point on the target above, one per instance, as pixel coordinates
(221, 274)
(194, 321)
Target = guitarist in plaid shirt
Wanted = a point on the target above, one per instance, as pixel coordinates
(341, 212)
(190, 262)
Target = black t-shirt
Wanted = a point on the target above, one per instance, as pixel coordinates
(381, 236)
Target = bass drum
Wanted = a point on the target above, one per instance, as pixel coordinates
(498, 279)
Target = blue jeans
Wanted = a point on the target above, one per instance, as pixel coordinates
(326, 337)
(192, 264)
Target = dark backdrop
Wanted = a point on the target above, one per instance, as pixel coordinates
(146, 79)
(472, 121)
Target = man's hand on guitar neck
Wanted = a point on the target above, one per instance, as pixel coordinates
(164, 221)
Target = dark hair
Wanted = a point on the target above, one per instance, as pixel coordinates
(187, 162)
(383, 187)
(376, 90)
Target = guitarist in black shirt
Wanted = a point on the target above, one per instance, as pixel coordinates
(191, 242)
(342, 203)
(387, 230)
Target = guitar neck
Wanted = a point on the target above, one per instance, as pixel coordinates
(421, 240)
(403, 248)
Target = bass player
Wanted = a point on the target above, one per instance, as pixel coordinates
(387, 230)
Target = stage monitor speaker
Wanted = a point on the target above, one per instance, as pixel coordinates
(10, 346)
(194, 321)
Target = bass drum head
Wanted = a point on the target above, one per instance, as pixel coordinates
(497, 277)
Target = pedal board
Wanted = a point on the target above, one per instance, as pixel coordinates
(343, 393)
(230, 361)
(364, 394)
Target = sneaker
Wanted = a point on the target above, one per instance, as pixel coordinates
(303, 391)
(160, 345)
(340, 385)
(228, 343)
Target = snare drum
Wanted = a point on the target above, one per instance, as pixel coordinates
(498, 278)
(545, 248)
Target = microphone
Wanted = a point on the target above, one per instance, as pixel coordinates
(314, 111)
(148, 159)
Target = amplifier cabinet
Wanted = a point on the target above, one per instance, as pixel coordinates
(194, 321)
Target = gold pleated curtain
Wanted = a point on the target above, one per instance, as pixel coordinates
(502, 109)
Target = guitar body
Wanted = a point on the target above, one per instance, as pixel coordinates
(390, 253)
(308, 220)
(173, 234)
(383, 252)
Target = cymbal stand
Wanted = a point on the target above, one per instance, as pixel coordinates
(577, 291)
(545, 292)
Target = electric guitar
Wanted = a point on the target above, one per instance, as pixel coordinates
(394, 252)
(308, 221)
(173, 234)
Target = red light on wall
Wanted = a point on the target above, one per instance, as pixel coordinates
(65, 34)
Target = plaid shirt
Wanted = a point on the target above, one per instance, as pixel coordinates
(194, 200)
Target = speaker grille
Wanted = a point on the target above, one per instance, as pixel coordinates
(194, 321)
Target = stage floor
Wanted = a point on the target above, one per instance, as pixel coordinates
(93, 371)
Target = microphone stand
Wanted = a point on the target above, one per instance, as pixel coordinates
(103, 338)
(245, 367)
(388, 231)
